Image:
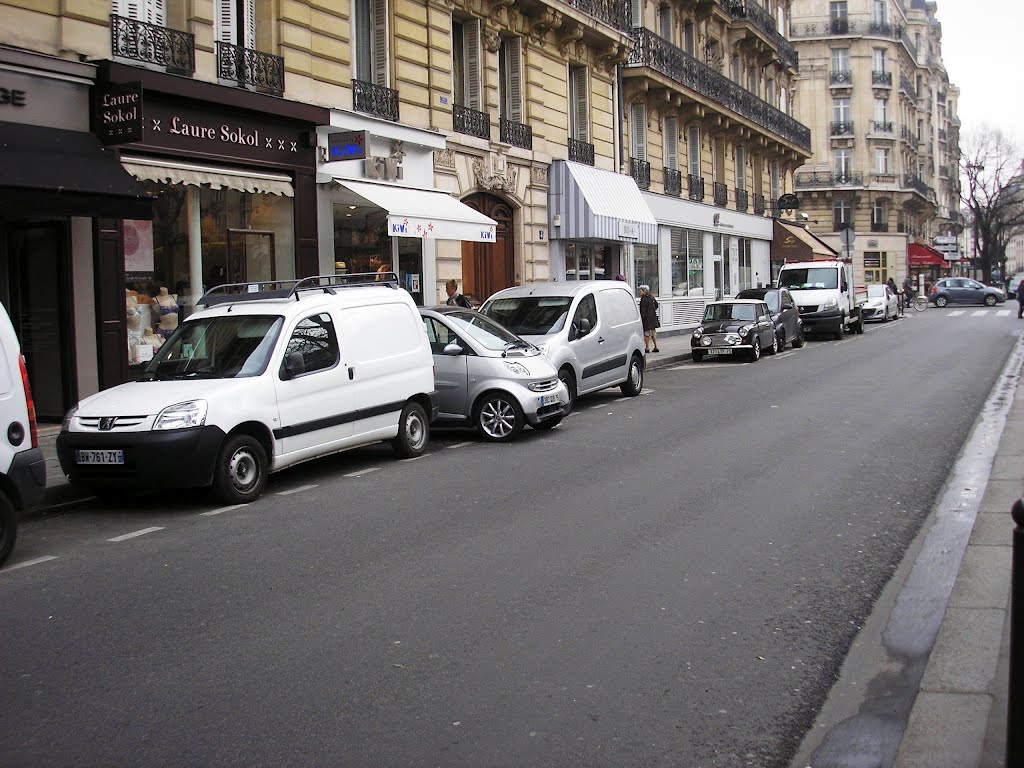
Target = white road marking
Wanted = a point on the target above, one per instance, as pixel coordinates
(461, 445)
(956, 312)
(133, 534)
(221, 509)
(362, 472)
(979, 312)
(417, 458)
(27, 563)
(1003, 313)
(300, 489)
(621, 399)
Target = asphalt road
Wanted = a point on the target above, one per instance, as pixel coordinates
(668, 580)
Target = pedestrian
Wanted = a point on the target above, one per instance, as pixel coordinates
(649, 318)
(456, 299)
(1020, 299)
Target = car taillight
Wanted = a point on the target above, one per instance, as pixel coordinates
(33, 430)
(935, 289)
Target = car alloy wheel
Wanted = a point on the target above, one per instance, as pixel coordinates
(941, 301)
(990, 300)
(755, 352)
(499, 417)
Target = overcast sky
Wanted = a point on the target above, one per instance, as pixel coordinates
(981, 45)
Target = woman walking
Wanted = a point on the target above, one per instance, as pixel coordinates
(649, 318)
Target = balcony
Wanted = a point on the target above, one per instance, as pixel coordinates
(842, 78)
(942, 134)
(581, 151)
(614, 14)
(841, 128)
(640, 170)
(695, 187)
(720, 193)
(839, 224)
(907, 86)
(764, 22)
(250, 68)
(916, 184)
(943, 172)
(846, 26)
(673, 182)
(170, 49)
(471, 122)
(758, 204)
(516, 134)
(884, 178)
(742, 199)
(828, 179)
(652, 51)
(908, 136)
(879, 226)
(375, 100)
(881, 79)
(881, 128)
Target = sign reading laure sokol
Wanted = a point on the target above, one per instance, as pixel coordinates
(119, 113)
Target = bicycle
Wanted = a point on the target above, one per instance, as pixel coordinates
(917, 301)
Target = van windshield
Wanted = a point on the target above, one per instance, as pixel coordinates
(809, 278)
(530, 315)
(224, 347)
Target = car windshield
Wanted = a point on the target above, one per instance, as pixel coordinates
(715, 312)
(771, 298)
(483, 330)
(876, 291)
(809, 278)
(224, 347)
(529, 315)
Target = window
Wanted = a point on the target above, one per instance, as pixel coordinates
(665, 22)
(842, 215)
(636, 12)
(587, 310)
(840, 60)
(757, 183)
(843, 162)
(687, 259)
(746, 271)
(149, 11)
(466, 62)
(638, 131)
(672, 143)
(438, 334)
(510, 78)
(225, 347)
(718, 159)
(690, 38)
(645, 267)
(736, 69)
(881, 110)
(837, 15)
(315, 342)
(769, 92)
(370, 41)
(236, 22)
(879, 215)
(753, 80)
(841, 110)
(876, 267)
(774, 181)
(741, 167)
(693, 149)
(878, 13)
(882, 164)
(579, 104)
(878, 60)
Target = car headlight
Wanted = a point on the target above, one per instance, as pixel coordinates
(732, 338)
(66, 425)
(744, 330)
(831, 303)
(706, 341)
(182, 415)
(698, 332)
(543, 349)
(517, 369)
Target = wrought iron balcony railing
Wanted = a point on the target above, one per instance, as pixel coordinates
(841, 128)
(742, 199)
(882, 79)
(472, 122)
(248, 67)
(847, 26)
(640, 170)
(720, 193)
(907, 86)
(375, 100)
(695, 187)
(916, 184)
(910, 137)
(842, 77)
(884, 178)
(758, 204)
(139, 41)
(881, 126)
(516, 134)
(612, 12)
(879, 226)
(751, 11)
(942, 134)
(826, 179)
(673, 182)
(581, 151)
(650, 50)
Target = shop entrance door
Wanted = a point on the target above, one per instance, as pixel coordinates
(719, 271)
(489, 267)
(37, 291)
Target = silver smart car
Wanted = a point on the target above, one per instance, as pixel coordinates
(488, 378)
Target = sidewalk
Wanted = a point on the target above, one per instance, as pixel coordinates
(959, 716)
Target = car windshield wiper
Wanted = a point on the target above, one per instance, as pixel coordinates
(197, 374)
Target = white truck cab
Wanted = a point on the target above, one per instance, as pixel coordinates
(267, 376)
(825, 295)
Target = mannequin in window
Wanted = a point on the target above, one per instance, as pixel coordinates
(165, 312)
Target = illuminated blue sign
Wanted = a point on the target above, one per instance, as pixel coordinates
(346, 145)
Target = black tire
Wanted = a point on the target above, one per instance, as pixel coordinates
(941, 301)
(774, 348)
(549, 423)
(990, 300)
(840, 331)
(413, 432)
(632, 386)
(799, 341)
(885, 315)
(241, 472)
(498, 417)
(569, 379)
(782, 341)
(755, 352)
(697, 356)
(858, 326)
(8, 527)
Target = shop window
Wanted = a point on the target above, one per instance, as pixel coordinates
(645, 267)
(315, 340)
(588, 261)
(370, 41)
(466, 62)
(687, 260)
(876, 267)
(746, 269)
(362, 245)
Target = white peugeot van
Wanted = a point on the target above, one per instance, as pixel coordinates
(267, 376)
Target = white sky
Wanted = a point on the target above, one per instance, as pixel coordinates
(981, 46)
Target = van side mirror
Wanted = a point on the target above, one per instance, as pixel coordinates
(453, 349)
(584, 327)
(294, 365)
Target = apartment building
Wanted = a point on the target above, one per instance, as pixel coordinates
(885, 131)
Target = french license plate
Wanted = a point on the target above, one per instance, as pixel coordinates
(99, 457)
(548, 400)
(719, 351)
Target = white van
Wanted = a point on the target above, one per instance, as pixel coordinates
(261, 380)
(22, 464)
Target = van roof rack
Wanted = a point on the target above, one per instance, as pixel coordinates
(262, 290)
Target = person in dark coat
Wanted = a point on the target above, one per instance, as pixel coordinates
(649, 318)
(1020, 299)
(456, 299)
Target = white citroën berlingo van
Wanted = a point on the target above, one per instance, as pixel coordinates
(267, 376)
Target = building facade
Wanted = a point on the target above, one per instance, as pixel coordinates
(882, 113)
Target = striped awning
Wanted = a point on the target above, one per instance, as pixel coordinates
(593, 204)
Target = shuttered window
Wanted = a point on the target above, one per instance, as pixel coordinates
(380, 42)
(774, 187)
(741, 167)
(672, 143)
(149, 11)
(665, 22)
(638, 131)
(579, 104)
(718, 160)
(693, 149)
(510, 62)
(471, 63)
(636, 12)
(232, 29)
(690, 38)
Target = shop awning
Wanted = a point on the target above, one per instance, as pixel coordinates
(920, 255)
(424, 213)
(193, 174)
(587, 203)
(792, 242)
(66, 173)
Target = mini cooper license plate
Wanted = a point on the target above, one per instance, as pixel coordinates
(99, 457)
(548, 400)
(719, 351)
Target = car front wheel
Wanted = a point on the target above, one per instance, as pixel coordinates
(241, 472)
(755, 352)
(799, 340)
(635, 382)
(499, 417)
(990, 300)
(697, 356)
(941, 301)
(566, 376)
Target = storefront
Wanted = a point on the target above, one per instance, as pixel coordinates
(57, 186)
(793, 242)
(924, 260)
(376, 196)
(597, 219)
(233, 175)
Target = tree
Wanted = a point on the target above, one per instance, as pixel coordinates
(994, 194)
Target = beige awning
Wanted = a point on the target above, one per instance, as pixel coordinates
(170, 172)
(791, 241)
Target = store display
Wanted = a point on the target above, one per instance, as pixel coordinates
(165, 307)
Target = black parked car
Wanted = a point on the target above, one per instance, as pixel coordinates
(732, 327)
(788, 325)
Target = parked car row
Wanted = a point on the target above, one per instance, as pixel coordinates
(258, 381)
(757, 320)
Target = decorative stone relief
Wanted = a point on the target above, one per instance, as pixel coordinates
(491, 38)
(444, 160)
(492, 171)
(539, 175)
(544, 23)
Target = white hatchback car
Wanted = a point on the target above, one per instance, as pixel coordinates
(590, 331)
(882, 304)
